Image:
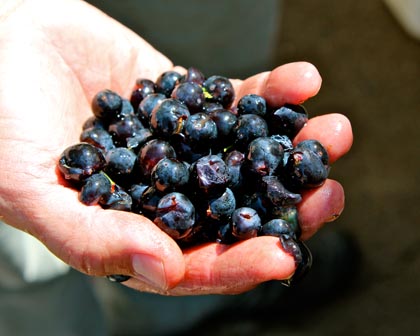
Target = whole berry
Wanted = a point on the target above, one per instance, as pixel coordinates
(79, 161)
(246, 223)
(220, 90)
(252, 104)
(175, 214)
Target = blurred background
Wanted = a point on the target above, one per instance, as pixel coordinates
(366, 274)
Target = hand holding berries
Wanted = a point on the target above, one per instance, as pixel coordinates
(36, 198)
(188, 195)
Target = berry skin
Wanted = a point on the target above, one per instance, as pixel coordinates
(151, 153)
(120, 162)
(149, 201)
(142, 89)
(248, 128)
(80, 161)
(304, 169)
(234, 161)
(301, 254)
(93, 122)
(246, 223)
(170, 174)
(117, 199)
(200, 131)
(225, 120)
(264, 156)
(252, 104)
(191, 94)
(277, 194)
(167, 81)
(221, 208)
(94, 189)
(289, 213)
(175, 214)
(98, 137)
(288, 120)
(123, 129)
(106, 105)
(139, 139)
(277, 227)
(147, 105)
(316, 147)
(168, 118)
(210, 175)
(220, 89)
(193, 75)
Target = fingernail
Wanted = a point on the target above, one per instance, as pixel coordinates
(150, 270)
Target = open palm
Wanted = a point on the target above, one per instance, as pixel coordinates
(51, 64)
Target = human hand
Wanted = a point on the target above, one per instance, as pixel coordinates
(51, 66)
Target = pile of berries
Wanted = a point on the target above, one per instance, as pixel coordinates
(178, 152)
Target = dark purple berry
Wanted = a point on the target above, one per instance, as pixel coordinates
(288, 120)
(120, 162)
(151, 153)
(246, 223)
(191, 94)
(117, 199)
(248, 128)
(167, 81)
(264, 156)
(80, 161)
(147, 105)
(252, 104)
(142, 89)
(168, 118)
(175, 214)
(289, 213)
(98, 137)
(304, 169)
(123, 129)
(301, 254)
(106, 105)
(222, 207)
(316, 147)
(170, 174)
(148, 202)
(94, 188)
(200, 131)
(210, 175)
(220, 90)
(277, 227)
(193, 75)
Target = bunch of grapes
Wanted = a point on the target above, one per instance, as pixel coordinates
(202, 169)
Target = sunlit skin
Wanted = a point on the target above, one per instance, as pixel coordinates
(52, 62)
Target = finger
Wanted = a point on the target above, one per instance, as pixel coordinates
(102, 242)
(221, 269)
(319, 206)
(290, 83)
(333, 131)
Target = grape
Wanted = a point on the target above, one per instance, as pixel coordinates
(175, 214)
(80, 161)
(252, 104)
